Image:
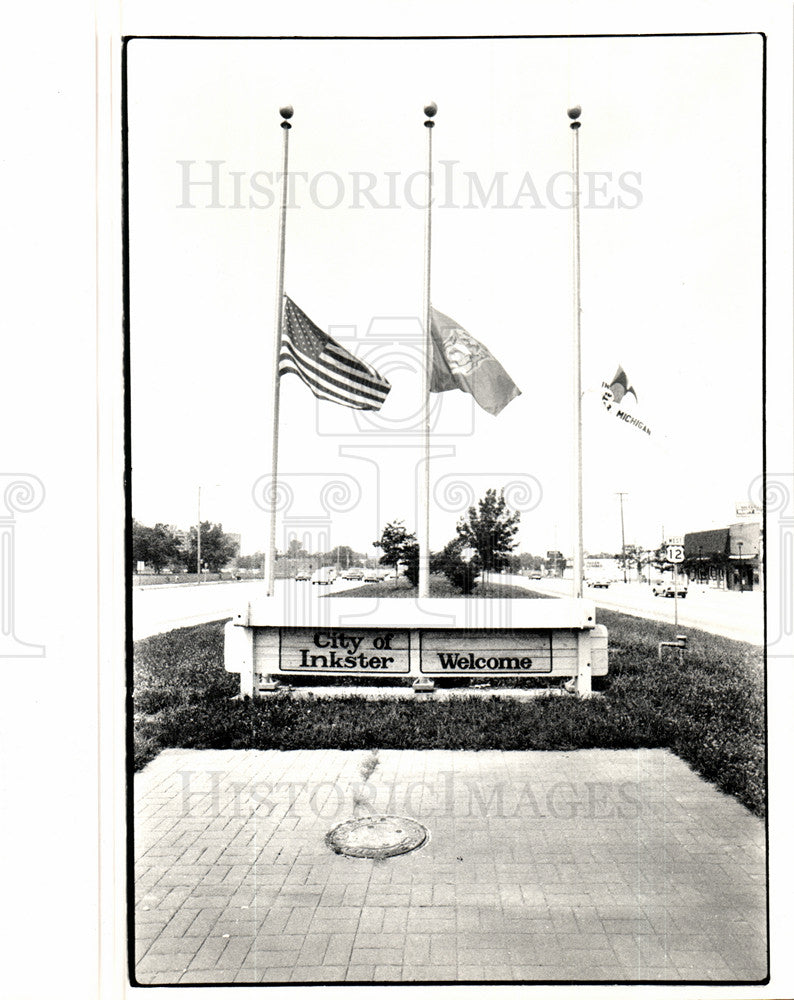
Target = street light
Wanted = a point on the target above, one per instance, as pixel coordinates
(741, 569)
(700, 563)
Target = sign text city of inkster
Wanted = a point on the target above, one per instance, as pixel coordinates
(344, 651)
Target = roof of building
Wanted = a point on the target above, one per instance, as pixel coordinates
(707, 543)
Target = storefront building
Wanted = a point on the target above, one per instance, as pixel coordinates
(727, 558)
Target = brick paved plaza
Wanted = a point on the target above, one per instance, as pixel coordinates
(591, 865)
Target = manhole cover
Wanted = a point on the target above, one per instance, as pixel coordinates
(376, 837)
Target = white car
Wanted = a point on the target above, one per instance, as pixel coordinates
(325, 575)
(667, 588)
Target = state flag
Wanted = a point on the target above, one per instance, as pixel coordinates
(461, 362)
(612, 395)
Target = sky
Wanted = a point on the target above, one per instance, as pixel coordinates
(670, 151)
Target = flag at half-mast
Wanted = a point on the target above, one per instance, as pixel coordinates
(461, 362)
(326, 367)
(612, 395)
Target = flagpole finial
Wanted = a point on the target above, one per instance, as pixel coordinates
(574, 114)
(286, 113)
(430, 110)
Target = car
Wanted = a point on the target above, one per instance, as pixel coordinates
(354, 573)
(536, 575)
(598, 582)
(303, 576)
(372, 576)
(325, 575)
(667, 588)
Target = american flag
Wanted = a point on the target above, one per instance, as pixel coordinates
(328, 369)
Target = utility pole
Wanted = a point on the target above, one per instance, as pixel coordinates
(622, 536)
(198, 537)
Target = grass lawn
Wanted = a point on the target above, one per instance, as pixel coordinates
(709, 711)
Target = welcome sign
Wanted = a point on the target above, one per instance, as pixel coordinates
(544, 638)
(444, 652)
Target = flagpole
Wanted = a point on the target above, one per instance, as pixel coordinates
(286, 113)
(578, 551)
(424, 492)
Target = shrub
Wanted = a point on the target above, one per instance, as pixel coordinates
(462, 574)
(411, 562)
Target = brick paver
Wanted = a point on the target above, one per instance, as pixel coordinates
(590, 865)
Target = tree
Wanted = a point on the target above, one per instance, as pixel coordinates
(159, 546)
(517, 562)
(490, 529)
(658, 559)
(411, 561)
(632, 555)
(396, 543)
(343, 555)
(254, 561)
(217, 548)
(460, 572)
(140, 542)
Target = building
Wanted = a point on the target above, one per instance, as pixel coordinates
(728, 558)
(747, 555)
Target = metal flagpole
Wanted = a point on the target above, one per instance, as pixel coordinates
(424, 492)
(286, 113)
(578, 551)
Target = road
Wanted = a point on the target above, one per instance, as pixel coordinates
(729, 613)
(162, 608)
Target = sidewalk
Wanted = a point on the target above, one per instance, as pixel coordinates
(590, 865)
